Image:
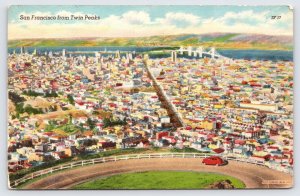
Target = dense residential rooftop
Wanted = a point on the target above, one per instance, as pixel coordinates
(62, 105)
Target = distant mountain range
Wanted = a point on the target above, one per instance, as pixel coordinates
(218, 40)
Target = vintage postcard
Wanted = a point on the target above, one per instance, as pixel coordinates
(150, 97)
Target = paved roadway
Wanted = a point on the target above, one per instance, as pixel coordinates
(252, 175)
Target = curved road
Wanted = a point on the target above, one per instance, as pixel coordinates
(251, 175)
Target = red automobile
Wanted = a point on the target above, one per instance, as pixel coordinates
(214, 160)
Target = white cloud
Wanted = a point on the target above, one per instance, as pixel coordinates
(287, 17)
(139, 23)
(247, 15)
(136, 17)
(173, 18)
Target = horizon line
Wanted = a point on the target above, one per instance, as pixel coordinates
(15, 39)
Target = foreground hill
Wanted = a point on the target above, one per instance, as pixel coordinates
(219, 40)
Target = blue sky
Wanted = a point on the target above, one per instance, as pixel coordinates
(131, 21)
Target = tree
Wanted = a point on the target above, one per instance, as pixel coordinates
(15, 98)
(91, 123)
(108, 122)
(52, 94)
(71, 99)
(107, 91)
(30, 110)
(80, 126)
(32, 93)
(100, 102)
(70, 118)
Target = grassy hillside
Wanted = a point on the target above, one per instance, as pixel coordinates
(159, 180)
(219, 40)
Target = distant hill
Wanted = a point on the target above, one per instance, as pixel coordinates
(218, 40)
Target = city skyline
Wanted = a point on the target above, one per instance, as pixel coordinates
(101, 111)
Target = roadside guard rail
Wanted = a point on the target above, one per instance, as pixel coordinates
(127, 157)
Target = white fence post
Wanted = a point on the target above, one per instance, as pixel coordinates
(139, 156)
